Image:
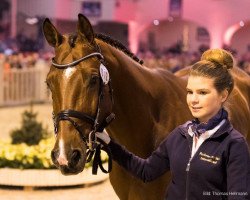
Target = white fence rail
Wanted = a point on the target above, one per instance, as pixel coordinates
(22, 86)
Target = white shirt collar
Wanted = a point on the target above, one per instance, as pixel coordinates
(208, 133)
(197, 143)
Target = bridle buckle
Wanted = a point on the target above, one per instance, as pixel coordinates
(92, 142)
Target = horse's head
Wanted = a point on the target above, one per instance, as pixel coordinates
(81, 93)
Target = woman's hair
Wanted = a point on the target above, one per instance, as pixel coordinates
(216, 64)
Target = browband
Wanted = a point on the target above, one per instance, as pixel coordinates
(64, 66)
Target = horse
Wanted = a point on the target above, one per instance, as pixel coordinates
(93, 76)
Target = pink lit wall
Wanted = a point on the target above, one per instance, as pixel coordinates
(68, 9)
(241, 39)
(63, 9)
(139, 14)
(168, 33)
(34, 7)
(125, 11)
(216, 15)
(148, 10)
(141, 11)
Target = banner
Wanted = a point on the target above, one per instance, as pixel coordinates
(92, 9)
(175, 8)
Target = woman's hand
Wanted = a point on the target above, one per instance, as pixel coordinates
(103, 136)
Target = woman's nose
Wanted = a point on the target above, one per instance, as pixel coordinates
(194, 98)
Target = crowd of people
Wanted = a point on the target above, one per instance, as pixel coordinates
(172, 59)
(22, 60)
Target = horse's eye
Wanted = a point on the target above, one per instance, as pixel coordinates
(94, 79)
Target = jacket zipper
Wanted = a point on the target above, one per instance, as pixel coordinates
(188, 165)
(187, 172)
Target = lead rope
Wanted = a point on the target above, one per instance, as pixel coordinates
(96, 148)
(98, 161)
(95, 151)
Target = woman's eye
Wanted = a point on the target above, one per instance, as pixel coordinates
(203, 93)
(189, 92)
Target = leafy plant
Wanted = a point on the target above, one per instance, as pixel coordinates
(23, 156)
(31, 131)
(30, 146)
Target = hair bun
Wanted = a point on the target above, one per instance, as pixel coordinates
(221, 56)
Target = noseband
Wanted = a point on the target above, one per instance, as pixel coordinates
(97, 126)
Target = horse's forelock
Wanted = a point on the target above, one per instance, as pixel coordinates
(72, 39)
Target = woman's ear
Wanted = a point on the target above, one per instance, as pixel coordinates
(224, 95)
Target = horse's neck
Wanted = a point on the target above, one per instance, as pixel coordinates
(136, 103)
(128, 79)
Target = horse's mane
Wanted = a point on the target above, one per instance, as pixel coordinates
(114, 43)
(117, 44)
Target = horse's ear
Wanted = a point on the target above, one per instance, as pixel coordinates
(53, 37)
(84, 28)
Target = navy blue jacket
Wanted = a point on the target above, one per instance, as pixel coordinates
(220, 169)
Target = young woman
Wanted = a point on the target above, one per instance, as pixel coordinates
(207, 157)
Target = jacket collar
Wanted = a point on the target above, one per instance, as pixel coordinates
(224, 129)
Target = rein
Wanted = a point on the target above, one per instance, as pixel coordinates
(94, 147)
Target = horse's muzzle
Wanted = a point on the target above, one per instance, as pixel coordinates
(73, 163)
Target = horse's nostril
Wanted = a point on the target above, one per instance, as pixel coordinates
(76, 156)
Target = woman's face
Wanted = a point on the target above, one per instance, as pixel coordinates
(203, 99)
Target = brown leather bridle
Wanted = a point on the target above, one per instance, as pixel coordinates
(94, 147)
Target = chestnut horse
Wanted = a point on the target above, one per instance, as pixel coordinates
(148, 104)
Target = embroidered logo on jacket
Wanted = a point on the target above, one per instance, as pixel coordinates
(208, 158)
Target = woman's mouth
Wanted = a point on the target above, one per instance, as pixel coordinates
(196, 109)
